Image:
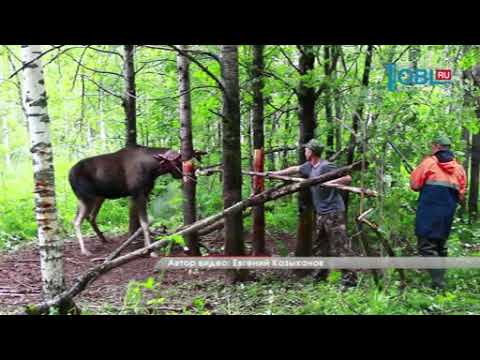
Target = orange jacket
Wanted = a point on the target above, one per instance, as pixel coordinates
(432, 172)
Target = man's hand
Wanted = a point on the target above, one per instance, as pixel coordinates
(289, 171)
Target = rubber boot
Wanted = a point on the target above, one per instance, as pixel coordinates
(349, 280)
(438, 278)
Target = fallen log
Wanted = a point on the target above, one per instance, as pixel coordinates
(218, 225)
(255, 200)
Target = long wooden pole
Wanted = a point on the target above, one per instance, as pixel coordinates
(366, 192)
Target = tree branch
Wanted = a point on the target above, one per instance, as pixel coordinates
(94, 70)
(101, 87)
(35, 59)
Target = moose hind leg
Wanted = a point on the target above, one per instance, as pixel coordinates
(82, 212)
(92, 218)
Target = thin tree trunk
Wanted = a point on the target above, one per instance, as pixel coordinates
(258, 230)
(358, 113)
(250, 145)
(271, 155)
(357, 116)
(103, 132)
(328, 101)
(189, 182)
(232, 175)
(50, 244)
(471, 86)
(306, 99)
(129, 97)
(338, 111)
(466, 166)
(130, 106)
(286, 139)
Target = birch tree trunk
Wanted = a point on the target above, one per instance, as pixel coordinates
(189, 182)
(50, 244)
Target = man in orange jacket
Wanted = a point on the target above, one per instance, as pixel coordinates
(442, 183)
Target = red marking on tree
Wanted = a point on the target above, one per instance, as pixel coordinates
(259, 181)
(188, 169)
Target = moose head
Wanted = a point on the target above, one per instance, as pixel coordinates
(170, 162)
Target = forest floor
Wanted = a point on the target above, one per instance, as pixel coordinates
(136, 288)
(20, 282)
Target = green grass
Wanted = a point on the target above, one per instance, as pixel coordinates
(271, 295)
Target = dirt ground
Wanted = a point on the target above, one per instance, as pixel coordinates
(20, 281)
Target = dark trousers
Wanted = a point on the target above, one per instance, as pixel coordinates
(432, 247)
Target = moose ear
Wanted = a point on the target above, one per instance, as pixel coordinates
(172, 155)
(160, 158)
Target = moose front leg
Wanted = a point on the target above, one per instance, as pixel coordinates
(141, 204)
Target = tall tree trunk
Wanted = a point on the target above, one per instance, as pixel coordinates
(474, 178)
(466, 166)
(328, 58)
(258, 212)
(271, 155)
(414, 55)
(358, 113)
(338, 105)
(232, 174)
(189, 181)
(130, 106)
(467, 102)
(250, 146)
(50, 244)
(286, 139)
(472, 82)
(129, 97)
(306, 99)
(103, 132)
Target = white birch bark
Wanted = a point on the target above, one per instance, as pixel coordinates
(50, 244)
